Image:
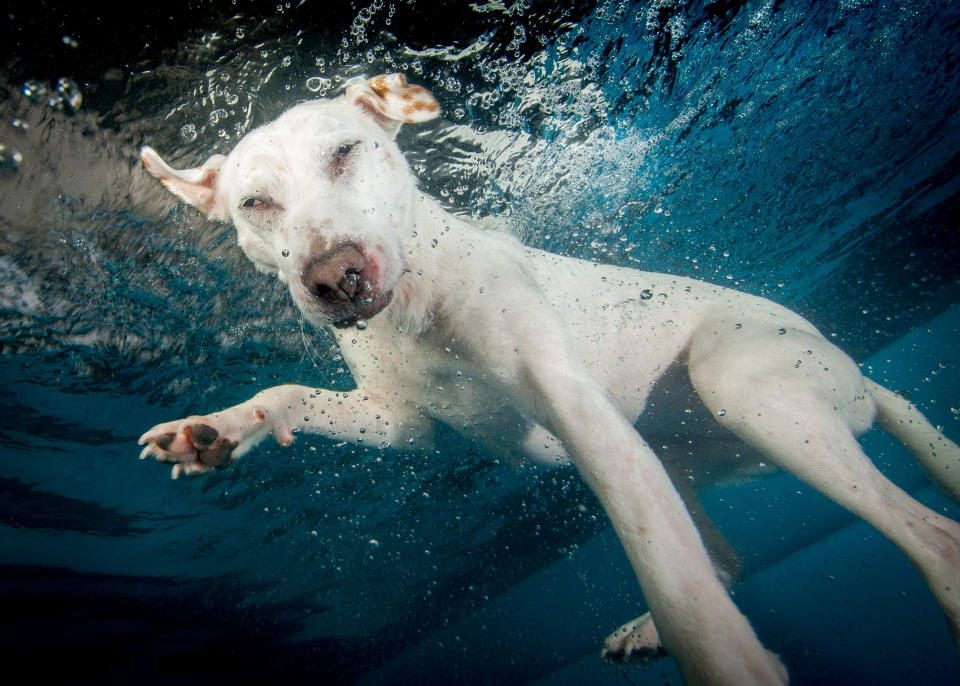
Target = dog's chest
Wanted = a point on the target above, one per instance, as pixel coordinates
(439, 378)
(451, 388)
(464, 397)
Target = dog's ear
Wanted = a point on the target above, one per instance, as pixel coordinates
(197, 186)
(392, 101)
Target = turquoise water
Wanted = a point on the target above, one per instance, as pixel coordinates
(803, 151)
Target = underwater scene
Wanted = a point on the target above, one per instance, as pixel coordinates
(804, 151)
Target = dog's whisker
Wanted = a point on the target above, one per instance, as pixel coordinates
(309, 347)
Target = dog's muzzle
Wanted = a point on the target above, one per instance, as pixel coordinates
(344, 285)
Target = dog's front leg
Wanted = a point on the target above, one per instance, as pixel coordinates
(199, 444)
(701, 627)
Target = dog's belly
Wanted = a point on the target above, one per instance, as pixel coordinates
(690, 442)
(627, 326)
(683, 433)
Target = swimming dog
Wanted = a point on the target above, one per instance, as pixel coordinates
(440, 320)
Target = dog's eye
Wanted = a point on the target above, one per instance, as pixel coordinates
(341, 157)
(345, 149)
(253, 203)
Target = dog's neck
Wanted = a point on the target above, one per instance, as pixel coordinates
(442, 271)
(431, 239)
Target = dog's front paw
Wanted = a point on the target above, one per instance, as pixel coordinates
(197, 445)
(635, 641)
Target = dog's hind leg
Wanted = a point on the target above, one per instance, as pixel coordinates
(937, 454)
(799, 400)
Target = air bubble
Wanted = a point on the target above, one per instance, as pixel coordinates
(10, 158)
(646, 294)
(361, 324)
(68, 97)
(188, 132)
(285, 252)
(318, 85)
(34, 90)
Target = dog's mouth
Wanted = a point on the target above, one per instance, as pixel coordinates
(368, 308)
(344, 284)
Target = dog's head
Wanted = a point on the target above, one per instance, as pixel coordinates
(319, 196)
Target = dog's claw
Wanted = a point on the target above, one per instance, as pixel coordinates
(191, 469)
(635, 641)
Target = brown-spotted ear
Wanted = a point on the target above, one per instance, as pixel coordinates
(197, 186)
(392, 101)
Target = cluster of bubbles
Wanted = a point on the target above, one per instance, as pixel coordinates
(358, 29)
(65, 96)
(495, 82)
(581, 146)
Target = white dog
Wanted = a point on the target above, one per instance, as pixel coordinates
(440, 320)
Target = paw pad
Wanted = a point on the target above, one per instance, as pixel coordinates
(202, 435)
(164, 441)
(212, 450)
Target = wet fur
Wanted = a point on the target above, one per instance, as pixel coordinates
(549, 357)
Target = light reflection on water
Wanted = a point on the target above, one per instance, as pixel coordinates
(731, 146)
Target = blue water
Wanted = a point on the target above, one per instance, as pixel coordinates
(806, 151)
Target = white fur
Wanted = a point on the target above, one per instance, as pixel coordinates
(550, 356)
